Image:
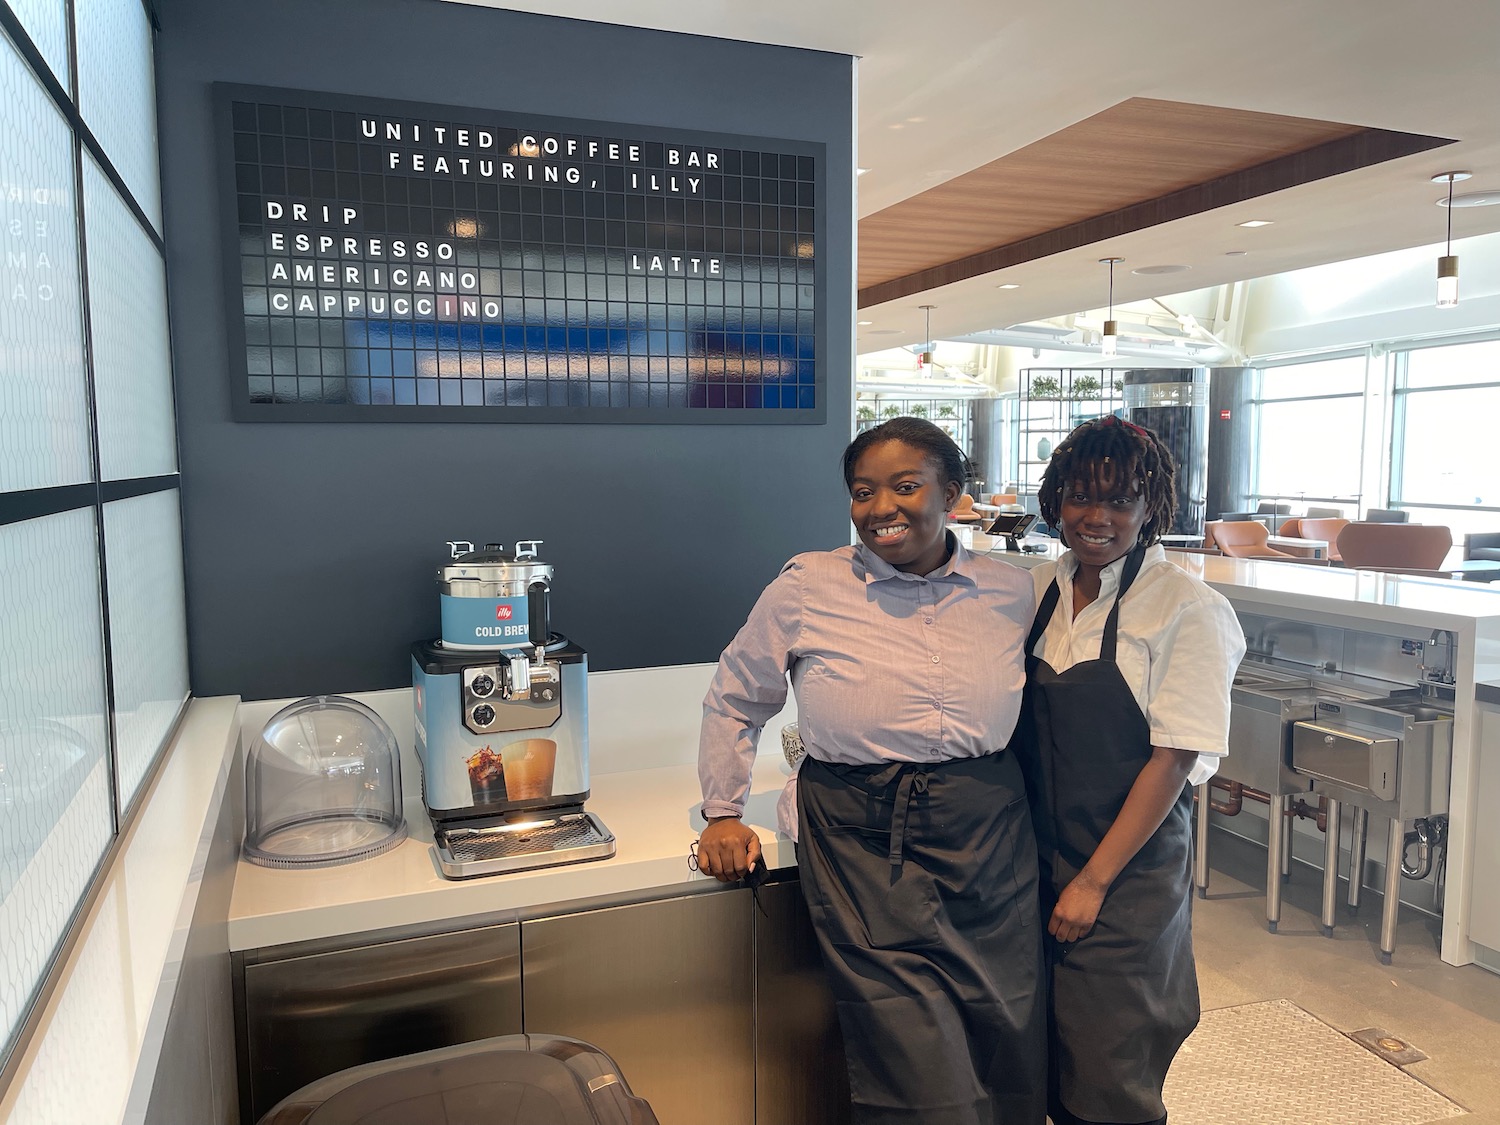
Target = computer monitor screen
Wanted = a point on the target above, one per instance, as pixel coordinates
(1012, 525)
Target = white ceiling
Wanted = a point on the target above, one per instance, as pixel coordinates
(948, 85)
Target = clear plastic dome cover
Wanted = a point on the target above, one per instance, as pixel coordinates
(322, 786)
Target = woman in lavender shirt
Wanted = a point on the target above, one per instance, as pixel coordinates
(915, 848)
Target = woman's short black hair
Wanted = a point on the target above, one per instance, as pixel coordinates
(1131, 451)
(933, 441)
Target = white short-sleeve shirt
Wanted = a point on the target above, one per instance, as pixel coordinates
(1179, 645)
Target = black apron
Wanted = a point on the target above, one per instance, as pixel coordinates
(921, 882)
(1125, 995)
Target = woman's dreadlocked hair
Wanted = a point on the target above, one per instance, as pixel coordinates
(1129, 451)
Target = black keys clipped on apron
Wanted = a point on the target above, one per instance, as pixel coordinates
(921, 882)
(1124, 997)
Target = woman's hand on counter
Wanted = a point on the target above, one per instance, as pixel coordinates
(727, 850)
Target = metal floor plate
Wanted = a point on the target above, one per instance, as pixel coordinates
(1272, 1063)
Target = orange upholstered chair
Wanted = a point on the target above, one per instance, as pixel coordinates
(1394, 546)
(1003, 499)
(1244, 539)
(1328, 531)
(1292, 528)
(964, 511)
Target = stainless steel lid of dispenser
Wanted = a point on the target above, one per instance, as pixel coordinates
(322, 786)
(492, 571)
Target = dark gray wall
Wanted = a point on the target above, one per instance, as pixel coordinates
(312, 548)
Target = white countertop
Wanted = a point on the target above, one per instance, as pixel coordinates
(1393, 598)
(652, 813)
(644, 787)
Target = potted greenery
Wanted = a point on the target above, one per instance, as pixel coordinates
(865, 413)
(945, 410)
(918, 411)
(1046, 386)
(1086, 386)
(891, 412)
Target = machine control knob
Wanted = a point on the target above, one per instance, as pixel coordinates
(547, 694)
(1328, 739)
(482, 685)
(484, 715)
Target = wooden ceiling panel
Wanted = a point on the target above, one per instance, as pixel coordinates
(1132, 154)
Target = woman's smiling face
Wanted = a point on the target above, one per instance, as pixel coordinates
(899, 504)
(1102, 518)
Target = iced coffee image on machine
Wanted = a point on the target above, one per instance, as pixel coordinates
(529, 766)
(487, 776)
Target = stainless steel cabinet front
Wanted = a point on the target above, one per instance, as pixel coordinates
(1364, 763)
(664, 988)
(308, 1017)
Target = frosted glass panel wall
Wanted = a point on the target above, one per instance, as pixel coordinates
(44, 415)
(117, 94)
(55, 813)
(88, 473)
(147, 628)
(128, 312)
(46, 24)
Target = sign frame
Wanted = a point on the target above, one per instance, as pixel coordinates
(693, 390)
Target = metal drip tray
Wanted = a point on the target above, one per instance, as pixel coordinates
(572, 838)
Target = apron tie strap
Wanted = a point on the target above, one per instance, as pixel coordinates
(911, 781)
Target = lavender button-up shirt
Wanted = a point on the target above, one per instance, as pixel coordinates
(885, 665)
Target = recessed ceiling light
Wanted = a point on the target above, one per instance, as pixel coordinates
(1255, 223)
(860, 171)
(1473, 199)
(883, 332)
(1235, 253)
(1008, 285)
(1152, 271)
(862, 323)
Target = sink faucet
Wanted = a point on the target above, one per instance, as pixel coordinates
(1445, 674)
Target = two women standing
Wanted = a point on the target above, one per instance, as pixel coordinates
(917, 852)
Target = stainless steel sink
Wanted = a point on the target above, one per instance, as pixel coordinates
(1421, 712)
(1388, 757)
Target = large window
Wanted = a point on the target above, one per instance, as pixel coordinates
(93, 650)
(1309, 431)
(1443, 456)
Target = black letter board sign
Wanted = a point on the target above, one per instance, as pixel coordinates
(392, 261)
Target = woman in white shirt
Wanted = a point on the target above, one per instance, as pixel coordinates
(1130, 661)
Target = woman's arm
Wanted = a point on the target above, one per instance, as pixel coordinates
(1157, 788)
(748, 688)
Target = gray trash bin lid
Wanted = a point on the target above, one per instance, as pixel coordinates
(507, 1080)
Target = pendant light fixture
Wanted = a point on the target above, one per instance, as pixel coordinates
(1109, 341)
(924, 358)
(1447, 274)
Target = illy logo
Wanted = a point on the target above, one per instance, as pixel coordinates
(503, 612)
